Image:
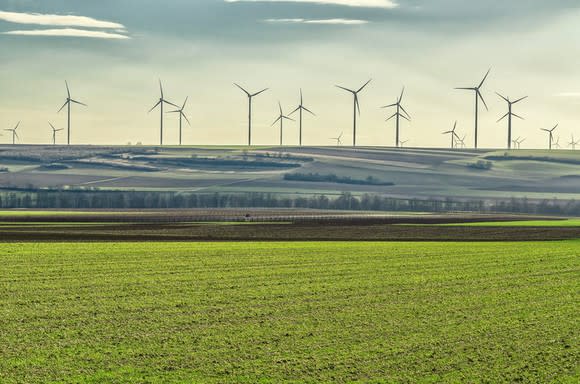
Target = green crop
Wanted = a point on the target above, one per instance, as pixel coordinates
(289, 312)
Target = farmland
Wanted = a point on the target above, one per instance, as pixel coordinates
(289, 312)
(407, 173)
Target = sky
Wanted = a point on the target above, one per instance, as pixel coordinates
(113, 53)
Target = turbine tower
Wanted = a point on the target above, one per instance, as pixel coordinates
(338, 139)
(509, 115)
(453, 135)
(478, 96)
(281, 119)
(160, 104)
(551, 134)
(356, 107)
(14, 134)
(398, 115)
(67, 104)
(181, 117)
(54, 131)
(250, 98)
(573, 143)
(300, 109)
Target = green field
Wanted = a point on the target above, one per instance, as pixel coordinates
(289, 312)
(523, 223)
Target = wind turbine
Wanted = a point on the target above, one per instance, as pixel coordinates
(460, 142)
(356, 107)
(14, 134)
(54, 131)
(403, 142)
(453, 135)
(573, 143)
(551, 132)
(300, 109)
(519, 142)
(160, 104)
(281, 119)
(557, 143)
(478, 96)
(398, 115)
(338, 139)
(509, 115)
(181, 117)
(250, 97)
(67, 104)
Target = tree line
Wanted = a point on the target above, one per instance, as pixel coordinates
(75, 199)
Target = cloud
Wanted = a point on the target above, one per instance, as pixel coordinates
(347, 3)
(320, 21)
(57, 20)
(69, 32)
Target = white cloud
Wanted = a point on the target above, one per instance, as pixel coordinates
(347, 3)
(319, 21)
(57, 20)
(69, 32)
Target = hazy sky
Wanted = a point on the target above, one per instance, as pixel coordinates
(113, 52)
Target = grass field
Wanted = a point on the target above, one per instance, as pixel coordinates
(290, 312)
(523, 223)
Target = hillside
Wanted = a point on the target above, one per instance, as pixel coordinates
(293, 171)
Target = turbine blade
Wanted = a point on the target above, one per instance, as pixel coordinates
(17, 125)
(467, 89)
(363, 87)
(280, 106)
(394, 115)
(503, 117)
(503, 97)
(346, 89)
(301, 98)
(309, 111)
(402, 93)
(155, 106)
(288, 118)
(161, 88)
(246, 92)
(357, 103)
(275, 121)
(184, 103)
(52, 126)
(67, 88)
(294, 111)
(482, 99)
(520, 99)
(389, 106)
(78, 102)
(64, 105)
(518, 116)
(262, 91)
(405, 117)
(169, 102)
(484, 78)
(185, 117)
(403, 109)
